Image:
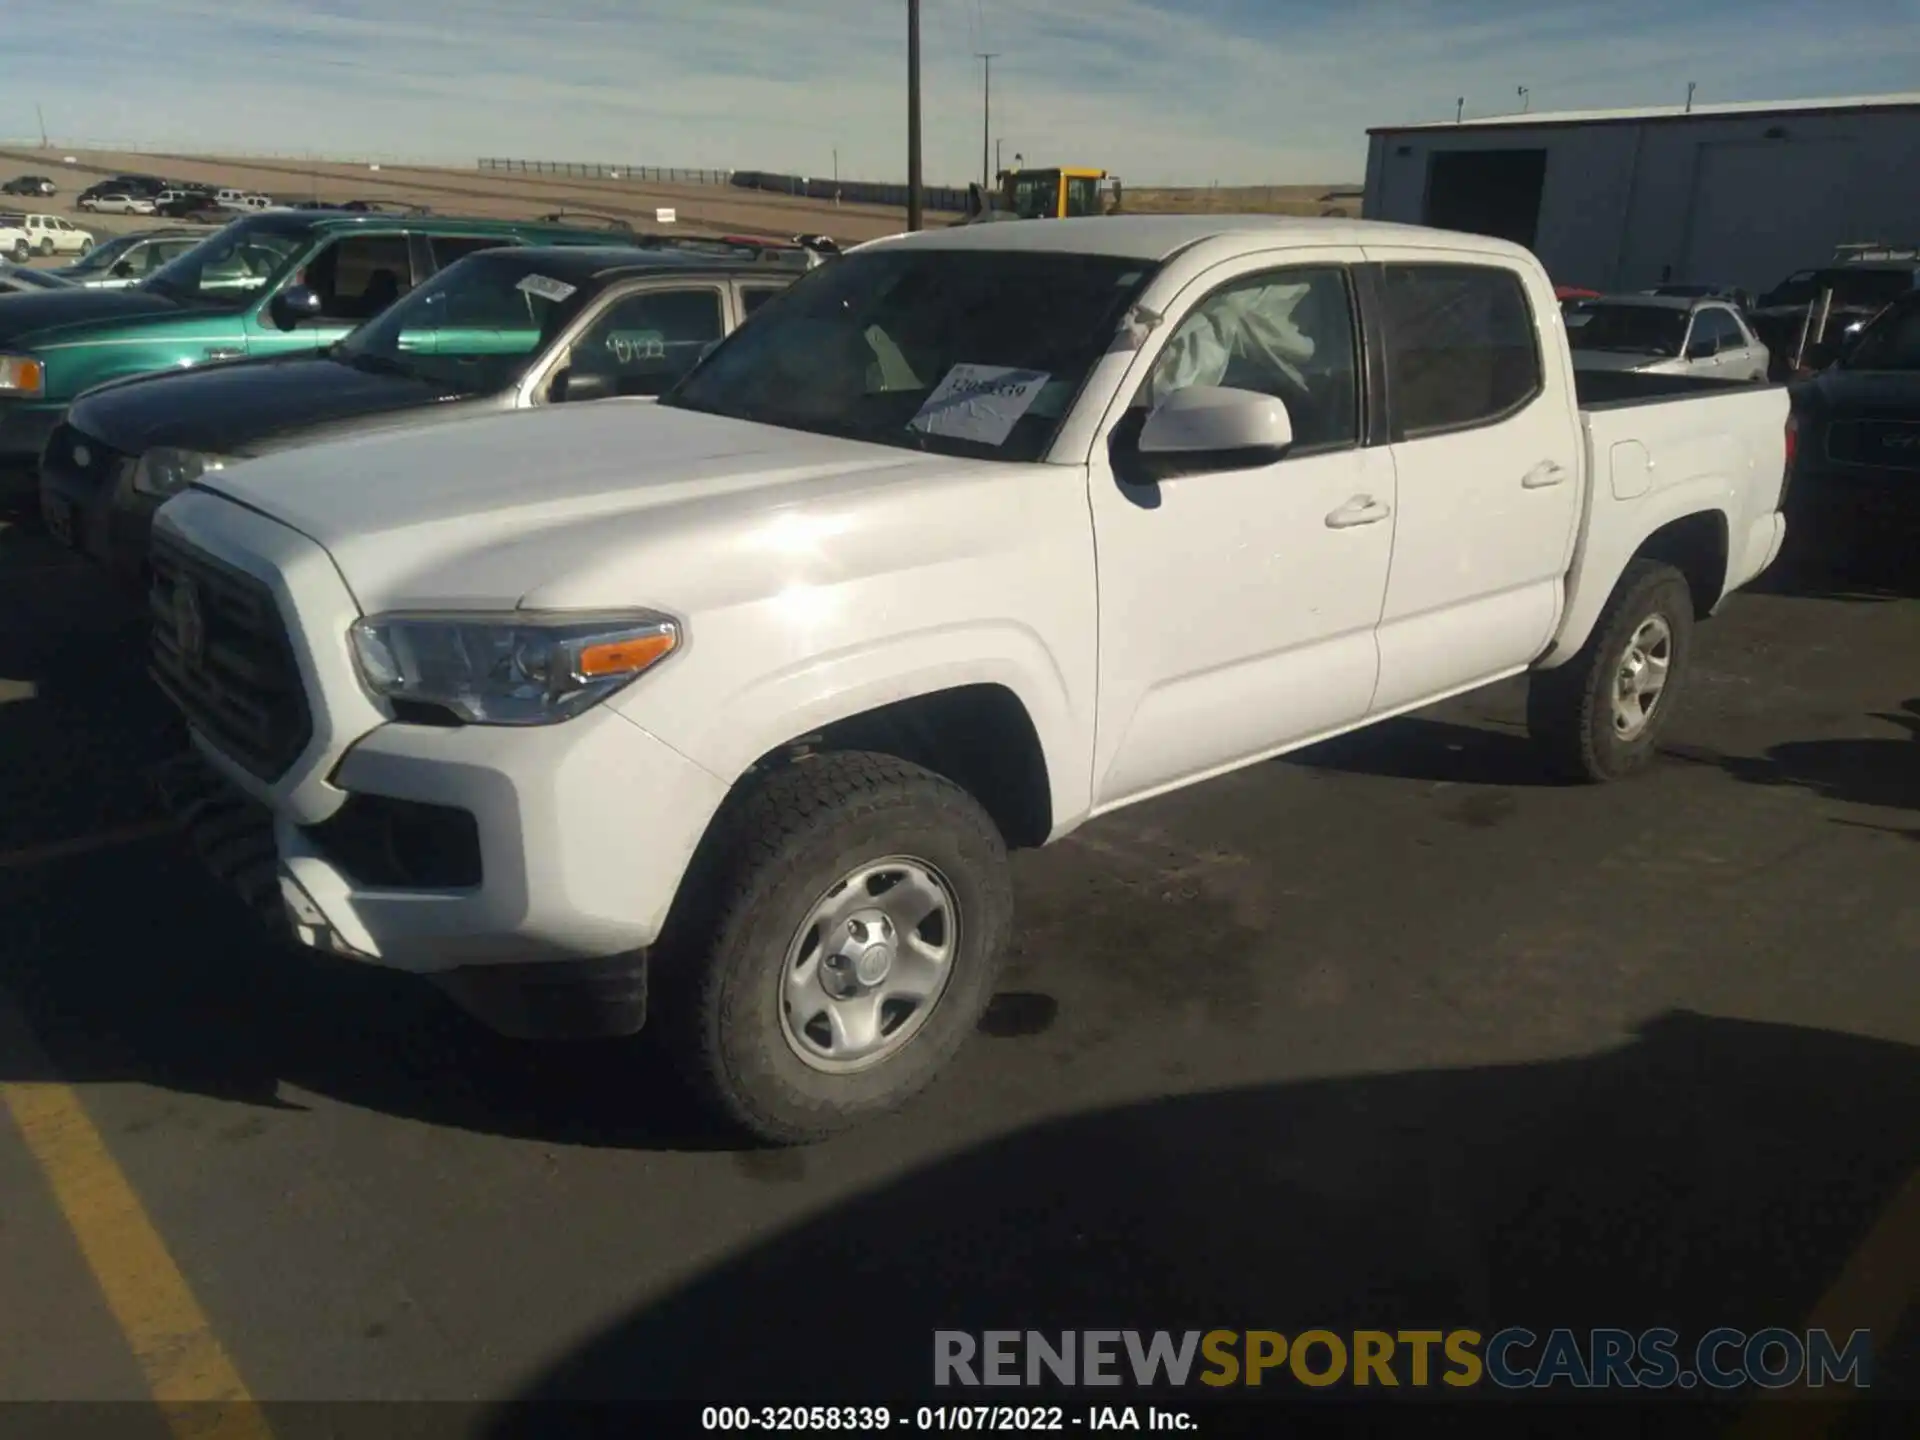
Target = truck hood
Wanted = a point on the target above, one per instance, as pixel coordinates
(1612, 360)
(242, 407)
(542, 508)
(44, 318)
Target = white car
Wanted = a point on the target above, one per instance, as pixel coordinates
(1665, 335)
(15, 243)
(720, 714)
(117, 204)
(50, 235)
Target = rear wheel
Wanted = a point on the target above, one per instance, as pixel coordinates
(858, 912)
(21, 252)
(46, 244)
(1600, 716)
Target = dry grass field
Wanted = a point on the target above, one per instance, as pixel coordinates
(1342, 200)
(700, 209)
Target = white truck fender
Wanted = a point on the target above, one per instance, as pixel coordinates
(729, 736)
(1613, 535)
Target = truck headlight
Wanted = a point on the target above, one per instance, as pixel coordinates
(513, 669)
(22, 376)
(164, 471)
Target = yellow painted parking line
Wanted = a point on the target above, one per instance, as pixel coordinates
(188, 1372)
(28, 855)
(1874, 1292)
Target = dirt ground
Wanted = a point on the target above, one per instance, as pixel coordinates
(701, 209)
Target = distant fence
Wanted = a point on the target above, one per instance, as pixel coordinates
(850, 192)
(607, 172)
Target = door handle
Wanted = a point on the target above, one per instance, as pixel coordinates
(1544, 474)
(224, 352)
(1361, 510)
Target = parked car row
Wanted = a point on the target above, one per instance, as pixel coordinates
(715, 704)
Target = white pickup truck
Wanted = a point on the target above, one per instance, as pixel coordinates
(729, 708)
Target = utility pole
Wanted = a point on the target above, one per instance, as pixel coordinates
(1459, 109)
(1690, 89)
(41, 116)
(998, 142)
(986, 119)
(913, 114)
(1526, 100)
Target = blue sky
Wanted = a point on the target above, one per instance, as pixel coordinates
(1157, 91)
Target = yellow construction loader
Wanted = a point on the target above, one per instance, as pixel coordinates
(1052, 192)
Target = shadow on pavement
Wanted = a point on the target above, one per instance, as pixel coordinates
(1413, 747)
(1709, 1172)
(1856, 771)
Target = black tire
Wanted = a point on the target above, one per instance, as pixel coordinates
(1570, 710)
(46, 246)
(782, 843)
(21, 251)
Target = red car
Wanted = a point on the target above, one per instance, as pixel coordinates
(1564, 293)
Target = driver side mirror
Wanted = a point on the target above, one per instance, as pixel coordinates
(570, 385)
(1214, 427)
(293, 305)
(1702, 349)
(121, 269)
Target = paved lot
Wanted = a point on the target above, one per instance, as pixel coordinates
(1391, 1034)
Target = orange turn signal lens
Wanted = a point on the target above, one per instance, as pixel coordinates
(22, 376)
(624, 657)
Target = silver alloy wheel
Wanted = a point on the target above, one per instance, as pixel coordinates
(868, 965)
(1642, 677)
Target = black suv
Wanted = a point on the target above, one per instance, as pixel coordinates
(29, 185)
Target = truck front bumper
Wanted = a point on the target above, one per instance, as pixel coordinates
(527, 881)
(486, 858)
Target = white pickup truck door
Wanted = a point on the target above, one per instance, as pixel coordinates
(1238, 606)
(1488, 453)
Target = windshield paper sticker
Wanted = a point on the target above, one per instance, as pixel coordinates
(979, 402)
(554, 290)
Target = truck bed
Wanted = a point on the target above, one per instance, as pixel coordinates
(1615, 389)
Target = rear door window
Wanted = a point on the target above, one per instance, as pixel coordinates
(646, 342)
(1461, 347)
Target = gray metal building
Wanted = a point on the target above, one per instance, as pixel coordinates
(1622, 199)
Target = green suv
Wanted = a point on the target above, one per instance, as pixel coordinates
(269, 284)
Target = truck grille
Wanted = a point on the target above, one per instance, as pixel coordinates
(221, 654)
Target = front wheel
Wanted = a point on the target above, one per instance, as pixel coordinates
(1599, 717)
(858, 911)
(21, 251)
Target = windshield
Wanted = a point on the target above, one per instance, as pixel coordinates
(1853, 287)
(229, 267)
(1890, 341)
(963, 352)
(473, 329)
(1629, 329)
